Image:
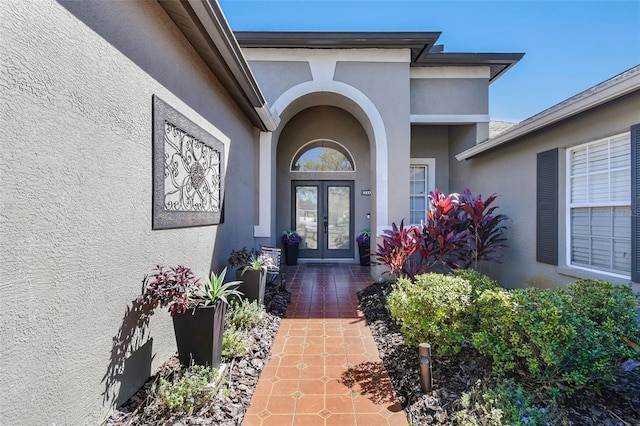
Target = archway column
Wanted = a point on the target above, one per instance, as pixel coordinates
(265, 187)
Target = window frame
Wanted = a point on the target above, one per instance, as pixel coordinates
(569, 205)
(431, 180)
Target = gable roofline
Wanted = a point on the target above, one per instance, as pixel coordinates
(614, 88)
(205, 27)
(424, 51)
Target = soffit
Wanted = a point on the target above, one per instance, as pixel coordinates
(206, 29)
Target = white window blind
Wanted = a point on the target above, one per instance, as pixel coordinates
(600, 205)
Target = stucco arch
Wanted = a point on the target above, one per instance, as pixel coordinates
(352, 100)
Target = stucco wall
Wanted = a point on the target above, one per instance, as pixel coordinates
(449, 96)
(433, 142)
(279, 76)
(387, 86)
(77, 81)
(323, 122)
(510, 171)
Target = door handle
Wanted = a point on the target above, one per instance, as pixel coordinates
(326, 224)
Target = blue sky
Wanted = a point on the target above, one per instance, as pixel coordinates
(570, 46)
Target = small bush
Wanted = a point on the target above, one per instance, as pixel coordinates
(612, 308)
(438, 309)
(243, 315)
(560, 339)
(235, 343)
(505, 403)
(189, 391)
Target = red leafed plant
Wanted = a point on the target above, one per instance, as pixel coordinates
(461, 231)
(399, 245)
(169, 287)
(486, 230)
(444, 230)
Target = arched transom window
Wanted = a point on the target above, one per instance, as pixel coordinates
(322, 156)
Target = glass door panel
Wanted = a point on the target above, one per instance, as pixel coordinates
(322, 212)
(339, 217)
(306, 211)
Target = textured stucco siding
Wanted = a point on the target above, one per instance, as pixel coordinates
(510, 171)
(450, 96)
(387, 86)
(433, 142)
(77, 79)
(276, 77)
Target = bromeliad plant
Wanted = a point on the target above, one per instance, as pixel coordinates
(258, 262)
(215, 291)
(460, 231)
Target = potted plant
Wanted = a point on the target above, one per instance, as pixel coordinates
(291, 241)
(364, 247)
(197, 310)
(251, 273)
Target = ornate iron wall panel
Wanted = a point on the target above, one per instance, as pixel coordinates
(188, 171)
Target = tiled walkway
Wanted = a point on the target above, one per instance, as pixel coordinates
(324, 367)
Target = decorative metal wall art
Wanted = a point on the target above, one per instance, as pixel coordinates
(188, 171)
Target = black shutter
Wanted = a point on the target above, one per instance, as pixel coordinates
(547, 207)
(635, 203)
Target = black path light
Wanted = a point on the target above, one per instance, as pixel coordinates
(426, 381)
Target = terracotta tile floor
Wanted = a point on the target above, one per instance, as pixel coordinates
(324, 368)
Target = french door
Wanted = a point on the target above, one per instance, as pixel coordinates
(322, 212)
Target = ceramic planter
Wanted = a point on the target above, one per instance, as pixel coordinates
(199, 335)
(253, 284)
(291, 254)
(364, 251)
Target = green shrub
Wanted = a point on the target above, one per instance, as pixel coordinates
(241, 317)
(504, 403)
(235, 343)
(244, 315)
(438, 309)
(189, 390)
(612, 308)
(550, 336)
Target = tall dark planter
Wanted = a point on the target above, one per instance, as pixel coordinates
(364, 251)
(253, 284)
(199, 335)
(291, 254)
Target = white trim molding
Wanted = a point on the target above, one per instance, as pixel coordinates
(450, 72)
(449, 118)
(263, 229)
(367, 111)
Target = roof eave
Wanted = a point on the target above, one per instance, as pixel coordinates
(336, 39)
(204, 25)
(605, 92)
(499, 63)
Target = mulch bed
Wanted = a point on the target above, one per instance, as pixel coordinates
(241, 377)
(617, 404)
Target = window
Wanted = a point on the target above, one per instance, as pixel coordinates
(421, 183)
(322, 156)
(599, 213)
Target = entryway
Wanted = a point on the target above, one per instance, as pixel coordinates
(322, 213)
(322, 344)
